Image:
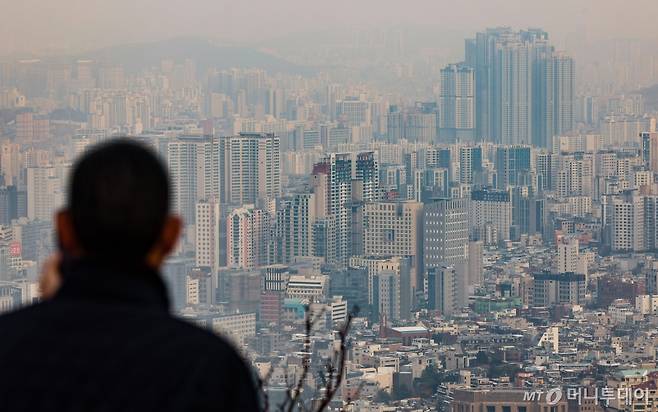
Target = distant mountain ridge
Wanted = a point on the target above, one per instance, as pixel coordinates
(135, 57)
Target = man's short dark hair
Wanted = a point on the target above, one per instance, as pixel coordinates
(119, 200)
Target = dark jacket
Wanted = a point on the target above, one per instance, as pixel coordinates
(107, 342)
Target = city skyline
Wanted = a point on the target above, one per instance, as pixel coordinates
(454, 224)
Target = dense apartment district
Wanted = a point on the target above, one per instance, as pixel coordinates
(494, 247)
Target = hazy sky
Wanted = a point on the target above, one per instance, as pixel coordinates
(37, 25)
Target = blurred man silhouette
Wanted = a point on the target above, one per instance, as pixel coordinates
(103, 338)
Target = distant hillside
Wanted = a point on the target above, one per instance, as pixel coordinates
(650, 95)
(205, 54)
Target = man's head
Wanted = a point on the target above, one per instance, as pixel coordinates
(118, 207)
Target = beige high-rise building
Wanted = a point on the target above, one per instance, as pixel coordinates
(25, 127)
(31, 127)
(575, 175)
(395, 229)
(45, 191)
(568, 256)
(250, 168)
(475, 251)
(630, 222)
(200, 287)
(490, 215)
(247, 238)
(208, 235)
(194, 170)
(293, 232)
(446, 242)
(10, 162)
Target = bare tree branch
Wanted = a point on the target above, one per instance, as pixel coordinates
(309, 321)
(329, 377)
(262, 383)
(337, 366)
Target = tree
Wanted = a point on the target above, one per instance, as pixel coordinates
(430, 379)
(482, 358)
(402, 392)
(382, 396)
(330, 376)
(431, 375)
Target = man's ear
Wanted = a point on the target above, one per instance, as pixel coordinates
(167, 242)
(170, 233)
(68, 240)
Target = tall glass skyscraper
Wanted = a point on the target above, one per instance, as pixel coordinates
(524, 91)
(564, 69)
(457, 102)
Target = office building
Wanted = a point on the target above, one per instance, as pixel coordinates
(314, 288)
(354, 111)
(293, 231)
(394, 124)
(201, 287)
(470, 163)
(401, 268)
(446, 240)
(46, 188)
(575, 174)
(630, 222)
(240, 290)
(421, 123)
(558, 289)
(237, 328)
(396, 229)
(249, 168)
(475, 266)
(387, 297)
(513, 166)
(490, 215)
(31, 127)
(332, 185)
(208, 235)
(175, 272)
(8, 204)
(10, 163)
(442, 290)
(352, 284)
(650, 150)
(545, 169)
(568, 256)
(366, 177)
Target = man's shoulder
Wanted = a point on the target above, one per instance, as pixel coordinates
(19, 315)
(202, 339)
(183, 335)
(165, 335)
(195, 332)
(19, 324)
